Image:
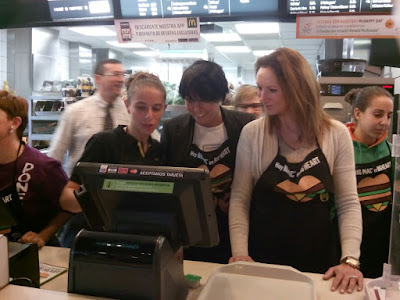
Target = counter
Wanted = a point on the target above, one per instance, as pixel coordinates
(56, 289)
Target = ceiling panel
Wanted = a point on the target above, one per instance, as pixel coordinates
(310, 48)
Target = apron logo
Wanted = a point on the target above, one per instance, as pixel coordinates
(375, 192)
(324, 197)
(307, 188)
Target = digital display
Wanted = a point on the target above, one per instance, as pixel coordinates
(336, 89)
(338, 6)
(198, 8)
(80, 9)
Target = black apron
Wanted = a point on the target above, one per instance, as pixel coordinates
(375, 193)
(15, 212)
(220, 163)
(292, 215)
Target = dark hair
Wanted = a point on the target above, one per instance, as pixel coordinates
(301, 90)
(139, 80)
(15, 106)
(361, 98)
(205, 80)
(99, 69)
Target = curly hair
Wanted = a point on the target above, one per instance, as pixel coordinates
(15, 106)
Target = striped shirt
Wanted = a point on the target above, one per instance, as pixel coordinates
(79, 122)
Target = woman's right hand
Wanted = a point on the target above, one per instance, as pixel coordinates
(240, 258)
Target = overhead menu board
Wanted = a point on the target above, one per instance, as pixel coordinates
(337, 6)
(196, 8)
(80, 9)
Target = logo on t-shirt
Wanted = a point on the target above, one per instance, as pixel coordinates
(23, 180)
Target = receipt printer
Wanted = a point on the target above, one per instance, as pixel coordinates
(24, 264)
(126, 266)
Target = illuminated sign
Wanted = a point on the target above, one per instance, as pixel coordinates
(80, 9)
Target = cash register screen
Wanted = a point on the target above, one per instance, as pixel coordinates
(150, 200)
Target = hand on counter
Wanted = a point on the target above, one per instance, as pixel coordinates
(345, 277)
(240, 258)
(32, 237)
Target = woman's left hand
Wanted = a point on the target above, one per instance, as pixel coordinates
(346, 278)
(32, 237)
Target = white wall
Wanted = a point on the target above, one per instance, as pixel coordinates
(63, 60)
(3, 56)
(392, 72)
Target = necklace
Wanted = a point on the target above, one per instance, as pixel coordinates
(296, 145)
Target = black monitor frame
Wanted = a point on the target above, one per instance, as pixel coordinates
(59, 10)
(279, 15)
(37, 14)
(384, 52)
(149, 200)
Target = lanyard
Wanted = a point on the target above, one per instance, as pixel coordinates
(15, 164)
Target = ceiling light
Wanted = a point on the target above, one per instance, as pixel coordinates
(126, 45)
(257, 28)
(201, 54)
(221, 37)
(93, 31)
(233, 49)
(147, 53)
(259, 53)
(362, 42)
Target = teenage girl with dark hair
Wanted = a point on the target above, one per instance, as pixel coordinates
(372, 109)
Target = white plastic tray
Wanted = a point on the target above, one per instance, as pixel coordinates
(245, 280)
(378, 282)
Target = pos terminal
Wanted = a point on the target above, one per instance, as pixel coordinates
(140, 217)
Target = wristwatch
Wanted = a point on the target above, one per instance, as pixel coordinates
(351, 261)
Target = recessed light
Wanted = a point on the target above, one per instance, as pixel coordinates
(221, 37)
(200, 54)
(233, 49)
(147, 53)
(126, 45)
(93, 31)
(257, 28)
(259, 53)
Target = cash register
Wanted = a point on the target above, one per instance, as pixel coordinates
(139, 217)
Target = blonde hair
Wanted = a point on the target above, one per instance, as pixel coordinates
(300, 88)
(141, 79)
(243, 92)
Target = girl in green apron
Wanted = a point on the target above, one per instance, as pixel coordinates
(372, 110)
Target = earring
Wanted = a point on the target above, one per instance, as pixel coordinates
(11, 129)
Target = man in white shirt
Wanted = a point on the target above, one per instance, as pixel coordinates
(102, 111)
(86, 117)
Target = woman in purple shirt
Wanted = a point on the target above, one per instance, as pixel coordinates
(30, 182)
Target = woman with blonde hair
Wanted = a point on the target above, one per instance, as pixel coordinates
(294, 194)
(246, 99)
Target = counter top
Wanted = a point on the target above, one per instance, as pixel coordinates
(56, 288)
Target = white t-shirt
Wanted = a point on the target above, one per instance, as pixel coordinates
(209, 138)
